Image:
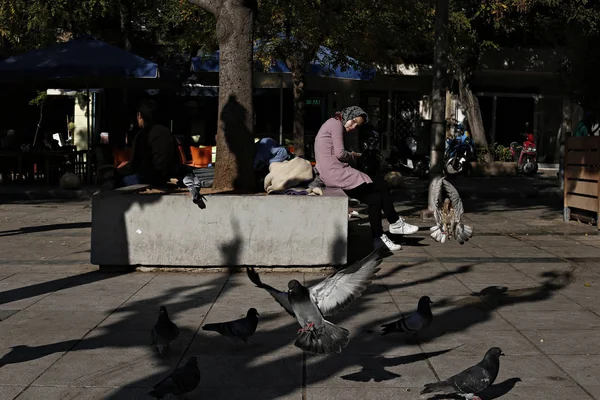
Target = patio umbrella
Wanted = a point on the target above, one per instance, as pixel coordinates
(83, 62)
(320, 66)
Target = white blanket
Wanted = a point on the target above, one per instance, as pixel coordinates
(288, 174)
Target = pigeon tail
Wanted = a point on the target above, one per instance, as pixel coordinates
(326, 340)
(443, 386)
(437, 234)
(162, 389)
(463, 233)
(216, 327)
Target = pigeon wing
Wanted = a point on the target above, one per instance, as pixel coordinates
(279, 296)
(186, 378)
(435, 199)
(239, 328)
(336, 292)
(471, 380)
(412, 322)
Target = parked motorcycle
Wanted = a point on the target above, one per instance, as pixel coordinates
(460, 151)
(525, 155)
(404, 158)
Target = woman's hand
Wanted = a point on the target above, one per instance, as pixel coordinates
(355, 155)
(124, 163)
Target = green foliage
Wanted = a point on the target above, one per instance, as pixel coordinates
(502, 153)
(481, 152)
(160, 30)
(40, 99)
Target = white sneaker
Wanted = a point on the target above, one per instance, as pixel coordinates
(402, 228)
(387, 242)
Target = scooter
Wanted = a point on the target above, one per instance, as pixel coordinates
(460, 151)
(404, 158)
(525, 155)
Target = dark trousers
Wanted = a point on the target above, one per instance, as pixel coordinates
(377, 196)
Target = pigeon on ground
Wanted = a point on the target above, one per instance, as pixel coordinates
(333, 294)
(447, 208)
(164, 331)
(182, 380)
(472, 380)
(241, 328)
(413, 322)
(194, 184)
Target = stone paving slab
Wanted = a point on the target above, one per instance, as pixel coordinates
(69, 331)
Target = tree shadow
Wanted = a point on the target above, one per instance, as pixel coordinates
(373, 369)
(238, 136)
(473, 310)
(231, 250)
(235, 370)
(45, 228)
(38, 289)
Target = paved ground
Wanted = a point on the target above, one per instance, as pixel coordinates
(70, 332)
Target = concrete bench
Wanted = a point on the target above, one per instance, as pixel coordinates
(133, 228)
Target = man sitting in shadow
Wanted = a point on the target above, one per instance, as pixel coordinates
(154, 157)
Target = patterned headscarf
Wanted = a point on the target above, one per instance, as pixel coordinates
(352, 112)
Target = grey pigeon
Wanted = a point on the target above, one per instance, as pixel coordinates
(413, 322)
(472, 380)
(241, 328)
(194, 184)
(316, 335)
(182, 380)
(447, 208)
(164, 331)
(328, 297)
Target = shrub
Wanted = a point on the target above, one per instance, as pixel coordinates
(481, 152)
(502, 153)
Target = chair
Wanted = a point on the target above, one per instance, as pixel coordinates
(201, 156)
(103, 166)
(121, 155)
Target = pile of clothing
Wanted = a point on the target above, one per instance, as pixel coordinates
(294, 177)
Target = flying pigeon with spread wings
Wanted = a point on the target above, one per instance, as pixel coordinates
(310, 305)
(447, 208)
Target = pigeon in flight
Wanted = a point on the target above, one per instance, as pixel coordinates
(472, 380)
(241, 328)
(164, 331)
(447, 208)
(413, 322)
(309, 305)
(179, 382)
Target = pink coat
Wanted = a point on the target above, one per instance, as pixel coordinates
(333, 160)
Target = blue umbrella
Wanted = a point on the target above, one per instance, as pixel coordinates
(319, 67)
(82, 58)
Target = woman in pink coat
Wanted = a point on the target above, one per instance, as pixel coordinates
(333, 165)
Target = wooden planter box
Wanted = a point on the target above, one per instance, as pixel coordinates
(581, 176)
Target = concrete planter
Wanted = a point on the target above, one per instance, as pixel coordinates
(233, 230)
(496, 168)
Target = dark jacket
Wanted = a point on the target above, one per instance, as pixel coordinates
(154, 155)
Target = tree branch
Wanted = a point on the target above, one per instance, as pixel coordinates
(212, 6)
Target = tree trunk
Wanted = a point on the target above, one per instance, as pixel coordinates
(471, 105)
(233, 169)
(126, 24)
(298, 76)
(439, 87)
